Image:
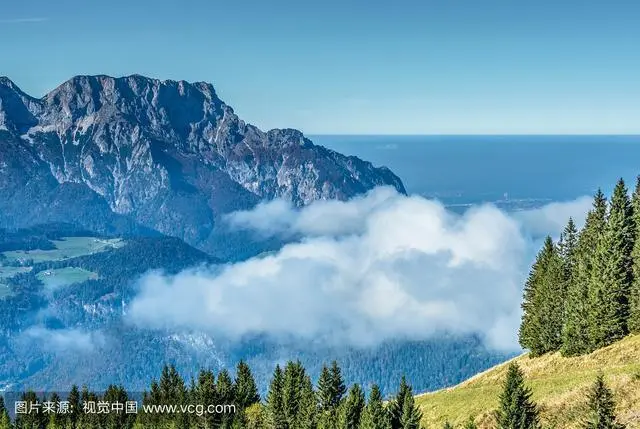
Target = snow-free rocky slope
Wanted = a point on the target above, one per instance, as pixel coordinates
(121, 153)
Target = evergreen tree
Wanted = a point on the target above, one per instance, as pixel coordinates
(55, 420)
(411, 414)
(396, 406)
(337, 384)
(171, 391)
(601, 407)
(613, 273)
(374, 415)
(543, 302)
(403, 412)
(552, 297)
(275, 414)
(5, 421)
(516, 409)
(74, 406)
(255, 416)
(568, 247)
(351, 408)
(634, 293)
(225, 395)
(245, 386)
(294, 377)
(325, 390)
(331, 389)
(470, 423)
(34, 418)
(205, 393)
(575, 335)
(308, 407)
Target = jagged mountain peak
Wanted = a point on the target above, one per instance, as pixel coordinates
(135, 85)
(5, 81)
(170, 154)
(16, 108)
(163, 106)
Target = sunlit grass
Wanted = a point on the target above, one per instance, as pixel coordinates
(558, 385)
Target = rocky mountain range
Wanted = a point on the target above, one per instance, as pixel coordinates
(128, 153)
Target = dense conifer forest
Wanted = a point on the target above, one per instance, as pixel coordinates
(583, 291)
(292, 402)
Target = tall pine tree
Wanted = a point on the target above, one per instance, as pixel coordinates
(294, 376)
(411, 414)
(601, 407)
(575, 334)
(308, 409)
(403, 411)
(275, 414)
(374, 415)
(331, 389)
(543, 302)
(396, 406)
(634, 292)
(516, 409)
(246, 391)
(613, 273)
(351, 409)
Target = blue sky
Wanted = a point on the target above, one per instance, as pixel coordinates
(355, 67)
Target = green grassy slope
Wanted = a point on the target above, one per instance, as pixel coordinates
(558, 385)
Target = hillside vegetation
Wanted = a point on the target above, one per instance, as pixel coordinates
(559, 386)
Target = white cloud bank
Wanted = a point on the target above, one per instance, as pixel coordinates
(380, 267)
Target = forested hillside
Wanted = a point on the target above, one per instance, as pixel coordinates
(559, 387)
(583, 292)
(581, 314)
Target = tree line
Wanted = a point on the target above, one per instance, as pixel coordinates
(292, 402)
(583, 291)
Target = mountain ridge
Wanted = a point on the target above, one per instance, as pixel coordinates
(169, 155)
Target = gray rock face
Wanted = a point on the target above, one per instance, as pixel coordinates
(169, 155)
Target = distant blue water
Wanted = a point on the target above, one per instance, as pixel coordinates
(471, 169)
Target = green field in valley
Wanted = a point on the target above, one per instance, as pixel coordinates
(65, 277)
(66, 248)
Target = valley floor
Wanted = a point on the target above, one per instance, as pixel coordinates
(559, 387)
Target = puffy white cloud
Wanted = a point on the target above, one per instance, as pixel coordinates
(379, 267)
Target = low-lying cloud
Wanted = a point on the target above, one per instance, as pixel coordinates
(65, 340)
(380, 267)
